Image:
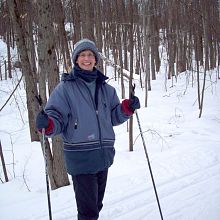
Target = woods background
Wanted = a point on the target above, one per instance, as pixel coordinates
(133, 35)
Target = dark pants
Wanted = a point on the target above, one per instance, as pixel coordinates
(89, 192)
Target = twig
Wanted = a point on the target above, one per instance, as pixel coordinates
(12, 93)
(23, 175)
(13, 156)
(151, 131)
(1, 180)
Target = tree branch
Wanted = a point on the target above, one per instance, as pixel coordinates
(12, 93)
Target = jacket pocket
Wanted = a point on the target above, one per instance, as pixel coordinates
(71, 129)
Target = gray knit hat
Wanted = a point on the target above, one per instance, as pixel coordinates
(85, 44)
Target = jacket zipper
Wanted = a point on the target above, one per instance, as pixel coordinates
(97, 115)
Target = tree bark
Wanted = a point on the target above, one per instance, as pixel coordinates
(31, 88)
(131, 49)
(48, 65)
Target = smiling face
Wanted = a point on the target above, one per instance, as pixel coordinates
(86, 60)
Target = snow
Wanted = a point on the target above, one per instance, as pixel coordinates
(184, 153)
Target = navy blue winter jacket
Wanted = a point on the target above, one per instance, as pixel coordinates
(85, 124)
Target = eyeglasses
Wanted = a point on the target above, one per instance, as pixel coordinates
(89, 55)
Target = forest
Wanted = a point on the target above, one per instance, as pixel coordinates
(134, 36)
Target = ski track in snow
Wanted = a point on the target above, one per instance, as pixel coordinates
(143, 198)
(135, 195)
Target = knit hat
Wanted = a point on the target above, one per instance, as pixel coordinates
(85, 44)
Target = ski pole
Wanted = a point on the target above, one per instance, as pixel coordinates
(44, 147)
(148, 161)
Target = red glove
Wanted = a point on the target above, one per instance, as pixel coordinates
(130, 105)
(125, 107)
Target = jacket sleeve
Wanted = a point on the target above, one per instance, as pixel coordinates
(117, 115)
(58, 109)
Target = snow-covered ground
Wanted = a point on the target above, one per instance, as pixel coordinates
(184, 152)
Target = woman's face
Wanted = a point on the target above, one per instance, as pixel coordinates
(86, 60)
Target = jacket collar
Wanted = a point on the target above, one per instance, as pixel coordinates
(72, 77)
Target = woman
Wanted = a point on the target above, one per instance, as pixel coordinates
(83, 108)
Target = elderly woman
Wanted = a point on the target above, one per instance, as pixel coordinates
(83, 108)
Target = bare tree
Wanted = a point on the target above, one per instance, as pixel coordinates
(87, 19)
(131, 49)
(59, 16)
(146, 46)
(48, 65)
(16, 15)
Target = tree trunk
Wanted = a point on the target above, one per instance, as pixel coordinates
(146, 46)
(9, 56)
(61, 32)
(31, 88)
(87, 19)
(131, 49)
(48, 64)
(99, 31)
